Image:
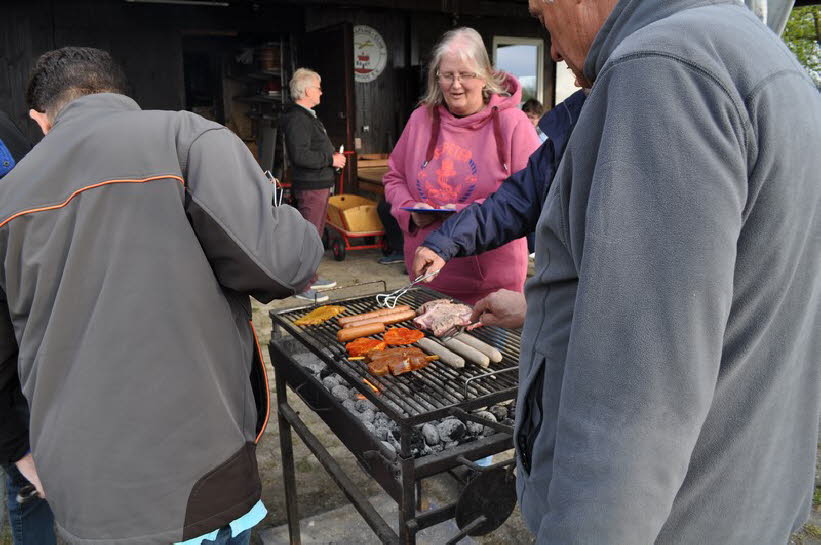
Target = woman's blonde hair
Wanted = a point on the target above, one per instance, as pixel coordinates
(468, 45)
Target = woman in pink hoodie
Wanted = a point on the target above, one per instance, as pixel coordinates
(465, 138)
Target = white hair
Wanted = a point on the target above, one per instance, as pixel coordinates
(468, 44)
(302, 79)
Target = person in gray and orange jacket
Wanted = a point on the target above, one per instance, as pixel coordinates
(130, 241)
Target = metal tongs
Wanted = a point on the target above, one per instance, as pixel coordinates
(279, 191)
(389, 300)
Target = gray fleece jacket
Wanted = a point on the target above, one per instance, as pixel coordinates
(669, 382)
(130, 241)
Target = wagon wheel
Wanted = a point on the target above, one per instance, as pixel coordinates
(339, 249)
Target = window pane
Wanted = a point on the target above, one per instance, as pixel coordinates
(522, 62)
(565, 82)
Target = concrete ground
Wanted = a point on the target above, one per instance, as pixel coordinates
(326, 515)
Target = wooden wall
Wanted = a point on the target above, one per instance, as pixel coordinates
(145, 39)
(384, 105)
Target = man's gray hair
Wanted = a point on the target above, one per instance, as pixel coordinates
(303, 78)
(468, 44)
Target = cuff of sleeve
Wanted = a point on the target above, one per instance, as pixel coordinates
(443, 246)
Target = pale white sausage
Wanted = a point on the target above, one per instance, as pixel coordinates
(491, 352)
(434, 348)
(467, 352)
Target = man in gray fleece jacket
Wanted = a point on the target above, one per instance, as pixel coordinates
(130, 241)
(669, 388)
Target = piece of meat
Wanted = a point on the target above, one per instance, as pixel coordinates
(387, 319)
(406, 364)
(378, 367)
(440, 315)
(381, 312)
(400, 352)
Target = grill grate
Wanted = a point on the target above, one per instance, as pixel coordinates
(425, 394)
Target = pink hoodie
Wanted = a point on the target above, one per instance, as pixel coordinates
(462, 161)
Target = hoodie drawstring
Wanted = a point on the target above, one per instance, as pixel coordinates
(434, 137)
(497, 132)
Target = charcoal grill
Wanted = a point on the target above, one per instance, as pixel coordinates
(434, 392)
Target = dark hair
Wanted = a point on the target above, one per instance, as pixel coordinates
(64, 74)
(533, 106)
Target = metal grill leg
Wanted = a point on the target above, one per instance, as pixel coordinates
(288, 470)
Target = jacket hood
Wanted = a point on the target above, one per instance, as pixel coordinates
(626, 18)
(488, 114)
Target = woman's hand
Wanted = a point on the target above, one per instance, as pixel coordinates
(422, 219)
(339, 160)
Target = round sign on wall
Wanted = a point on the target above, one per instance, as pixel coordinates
(369, 53)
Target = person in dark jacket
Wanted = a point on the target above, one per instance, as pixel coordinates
(30, 517)
(312, 160)
(513, 210)
(130, 242)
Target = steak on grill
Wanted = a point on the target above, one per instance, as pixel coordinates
(440, 315)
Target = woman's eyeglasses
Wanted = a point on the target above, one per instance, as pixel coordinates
(450, 77)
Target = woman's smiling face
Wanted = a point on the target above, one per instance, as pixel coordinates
(460, 85)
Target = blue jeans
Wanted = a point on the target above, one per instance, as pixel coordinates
(32, 523)
(224, 538)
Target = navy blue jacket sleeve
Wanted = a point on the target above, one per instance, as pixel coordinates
(509, 213)
(513, 210)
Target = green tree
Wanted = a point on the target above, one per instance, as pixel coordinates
(803, 36)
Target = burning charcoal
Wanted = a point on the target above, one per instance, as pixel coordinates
(341, 392)
(423, 451)
(390, 449)
(499, 412)
(438, 448)
(371, 429)
(452, 444)
(365, 405)
(381, 432)
(330, 381)
(350, 405)
(508, 422)
(474, 428)
(366, 416)
(450, 430)
(431, 434)
(487, 416)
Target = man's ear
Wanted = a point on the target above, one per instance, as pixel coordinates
(41, 119)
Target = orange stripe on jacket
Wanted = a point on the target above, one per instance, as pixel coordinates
(78, 191)
(265, 375)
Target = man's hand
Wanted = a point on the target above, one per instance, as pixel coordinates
(426, 261)
(503, 308)
(339, 160)
(25, 466)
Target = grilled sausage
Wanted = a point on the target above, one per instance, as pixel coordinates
(432, 347)
(491, 352)
(386, 319)
(344, 320)
(351, 333)
(467, 352)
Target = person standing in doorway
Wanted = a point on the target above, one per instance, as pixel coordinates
(534, 111)
(312, 160)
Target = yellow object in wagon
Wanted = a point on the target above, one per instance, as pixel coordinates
(320, 314)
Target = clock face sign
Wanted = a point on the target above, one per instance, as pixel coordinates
(369, 53)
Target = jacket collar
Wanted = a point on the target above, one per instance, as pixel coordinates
(559, 121)
(626, 18)
(98, 103)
